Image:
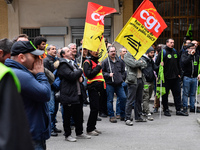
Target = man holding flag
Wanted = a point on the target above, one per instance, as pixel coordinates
(172, 74)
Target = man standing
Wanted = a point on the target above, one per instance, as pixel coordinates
(71, 95)
(12, 113)
(114, 74)
(149, 82)
(35, 89)
(122, 52)
(190, 61)
(135, 80)
(53, 104)
(172, 74)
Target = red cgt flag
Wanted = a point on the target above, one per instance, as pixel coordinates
(94, 25)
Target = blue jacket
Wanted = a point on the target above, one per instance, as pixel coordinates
(35, 92)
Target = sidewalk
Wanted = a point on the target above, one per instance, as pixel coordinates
(166, 133)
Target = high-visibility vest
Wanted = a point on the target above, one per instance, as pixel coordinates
(4, 70)
(99, 77)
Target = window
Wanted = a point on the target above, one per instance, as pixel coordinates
(32, 33)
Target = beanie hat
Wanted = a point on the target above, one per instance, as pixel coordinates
(149, 50)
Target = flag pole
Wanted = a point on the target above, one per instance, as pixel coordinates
(196, 98)
(160, 97)
(110, 65)
(81, 58)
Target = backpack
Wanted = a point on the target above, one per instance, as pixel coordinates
(164, 52)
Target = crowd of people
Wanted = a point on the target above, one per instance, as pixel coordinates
(73, 77)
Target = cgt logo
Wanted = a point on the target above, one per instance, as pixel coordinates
(98, 16)
(150, 19)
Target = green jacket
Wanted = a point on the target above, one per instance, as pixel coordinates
(132, 66)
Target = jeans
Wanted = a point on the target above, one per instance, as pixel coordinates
(39, 145)
(124, 85)
(53, 109)
(119, 90)
(189, 90)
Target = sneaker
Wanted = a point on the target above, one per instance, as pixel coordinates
(83, 136)
(118, 117)
(99, 119)
(103, 115)
(113, 120)
(70, 139)
(167, 113)
(53, 133)
(155, 110)
(97, 131)
(149, 117)
(140, 120)
(57, 130)
(93, 133)
(129, 122)
(181, 113)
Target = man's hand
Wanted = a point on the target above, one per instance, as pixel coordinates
(198, 77)
(111, 74)
(81, 79)
(37, 66)
(162, 63)
(99, 63)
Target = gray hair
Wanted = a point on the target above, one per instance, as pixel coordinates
(111, 47)
(48, 47)
(120, 50)
(70, 44)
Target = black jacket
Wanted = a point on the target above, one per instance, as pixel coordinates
(118, 68)
(68, 87)
(91, 73)
(149, 70)
(171, 63)
(14, 128)
(48, 63)
(189, 64)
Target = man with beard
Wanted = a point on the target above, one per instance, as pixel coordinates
(149, 83)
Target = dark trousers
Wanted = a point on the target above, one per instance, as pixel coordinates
(174, 86)
(75, 111)
(95, 97)
(135, 92)
(103, 102)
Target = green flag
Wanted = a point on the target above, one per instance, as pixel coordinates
(189, 33)
(159, 88)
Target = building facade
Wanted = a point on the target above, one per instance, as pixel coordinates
(62, 21)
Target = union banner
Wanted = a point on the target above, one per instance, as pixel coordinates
(102, 51)
(142, 29)
(94, 25)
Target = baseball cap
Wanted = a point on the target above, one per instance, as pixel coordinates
(25, 47)
(189, 45)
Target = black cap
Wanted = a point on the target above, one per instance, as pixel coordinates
(190, 45)
(25, 47)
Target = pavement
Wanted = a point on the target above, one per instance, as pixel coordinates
(164, 133)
